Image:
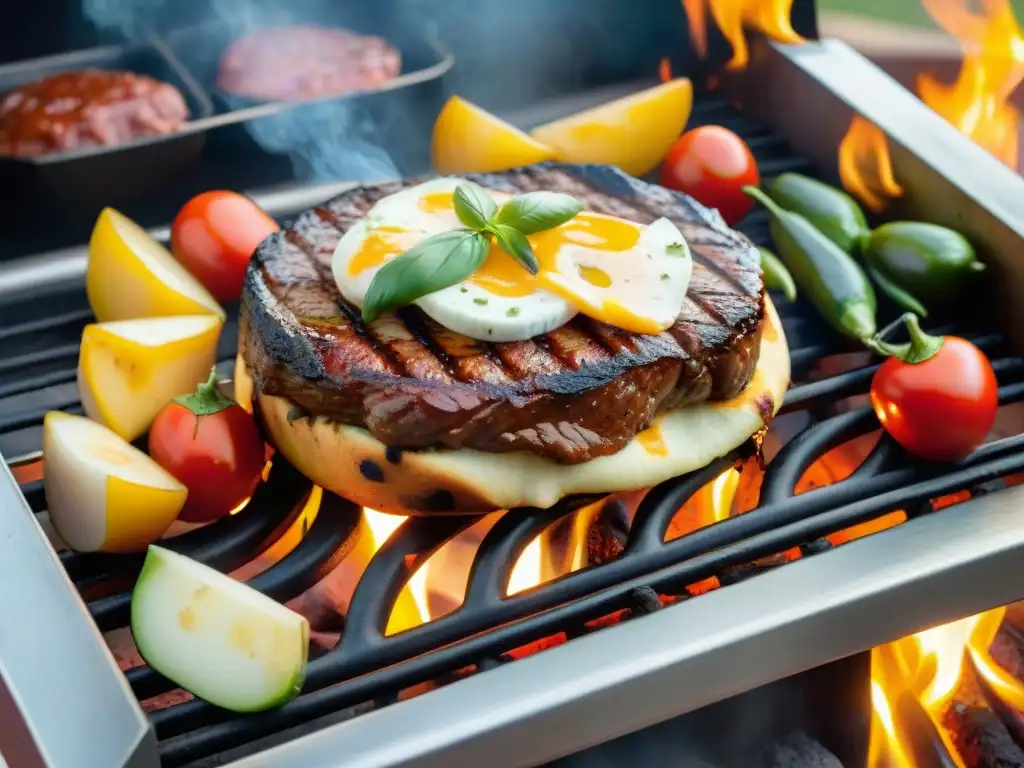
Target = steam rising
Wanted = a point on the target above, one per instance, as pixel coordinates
(332, 139)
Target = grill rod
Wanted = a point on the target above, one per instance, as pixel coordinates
(689, 655)
(48, 272)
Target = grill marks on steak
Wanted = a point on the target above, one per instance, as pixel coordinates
(578, 392)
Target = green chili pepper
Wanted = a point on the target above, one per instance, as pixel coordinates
(825, 273)
(833, 212)
(776, 276)
(920, 265)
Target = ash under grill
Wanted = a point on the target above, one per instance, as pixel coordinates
(639, 573)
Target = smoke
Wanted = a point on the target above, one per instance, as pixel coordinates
(327, 141)
(332, 139)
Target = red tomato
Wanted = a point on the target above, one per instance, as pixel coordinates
(711, 164)
(214, 235)
(939, 409)
(218, 455)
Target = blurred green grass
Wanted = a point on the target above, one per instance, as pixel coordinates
(905, 11)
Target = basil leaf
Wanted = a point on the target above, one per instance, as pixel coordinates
(474, 207)
(536, 211)
(515, 244)
(432, 264)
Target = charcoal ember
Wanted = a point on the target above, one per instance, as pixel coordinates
(980, 737)
(645, 601)
(798, 750)
(1015, 616)
(978, 734)
(1007, 651)
(609, 531)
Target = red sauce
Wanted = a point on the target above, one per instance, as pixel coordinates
(87, 109)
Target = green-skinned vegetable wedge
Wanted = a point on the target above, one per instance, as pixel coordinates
(776, 276)
(824, 272)
(833, 212)
(216, 637)
(921, 266)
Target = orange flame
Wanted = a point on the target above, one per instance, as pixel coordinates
(770, 17)
(696, 13)
(527, 571)
(977, 104)
(665, 70)
(865, 165)
(444, 575)
(929, 666)
(412, 607)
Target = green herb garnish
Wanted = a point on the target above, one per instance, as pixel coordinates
(675, 249)
(432, 264)
(513, 312)
(481, 302)
(443, 260)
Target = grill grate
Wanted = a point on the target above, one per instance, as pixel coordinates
(37, 368)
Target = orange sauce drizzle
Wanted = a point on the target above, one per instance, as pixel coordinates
(500, 274)
(379, 246)
(436, 202)
(653, 441)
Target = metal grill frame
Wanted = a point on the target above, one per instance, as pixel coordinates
(937, 567)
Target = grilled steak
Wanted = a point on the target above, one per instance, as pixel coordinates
(87, 109)
(581, 391)
(305, 62)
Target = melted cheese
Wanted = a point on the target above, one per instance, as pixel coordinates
(616, 271)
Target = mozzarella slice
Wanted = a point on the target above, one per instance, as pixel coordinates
(423, 208)
(514, 309)
(641, 289)
(616, 271)
(475, 312)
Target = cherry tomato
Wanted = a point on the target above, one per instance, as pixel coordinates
(214, 235)
(712, 165)
(212, 446)
(942, 407)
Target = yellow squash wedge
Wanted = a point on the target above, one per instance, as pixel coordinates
(469, 140)
(632, 133)
(102, 493)
(130, 275)
(130, 369)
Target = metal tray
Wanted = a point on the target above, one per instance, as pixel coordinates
(97, 176)
(231, 138)
(352, 127)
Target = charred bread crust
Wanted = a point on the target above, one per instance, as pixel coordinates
(350, 462)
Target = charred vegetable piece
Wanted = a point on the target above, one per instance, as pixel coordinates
(832, 211)
(825, 273)
(776, 276)
(920, 265)
(937, 396)
(216, 637)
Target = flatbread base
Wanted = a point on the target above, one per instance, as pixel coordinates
(350, 462)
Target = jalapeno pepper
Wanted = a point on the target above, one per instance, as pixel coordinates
(920, 265)
(825, 273)
(776, 276)
(833, 212)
